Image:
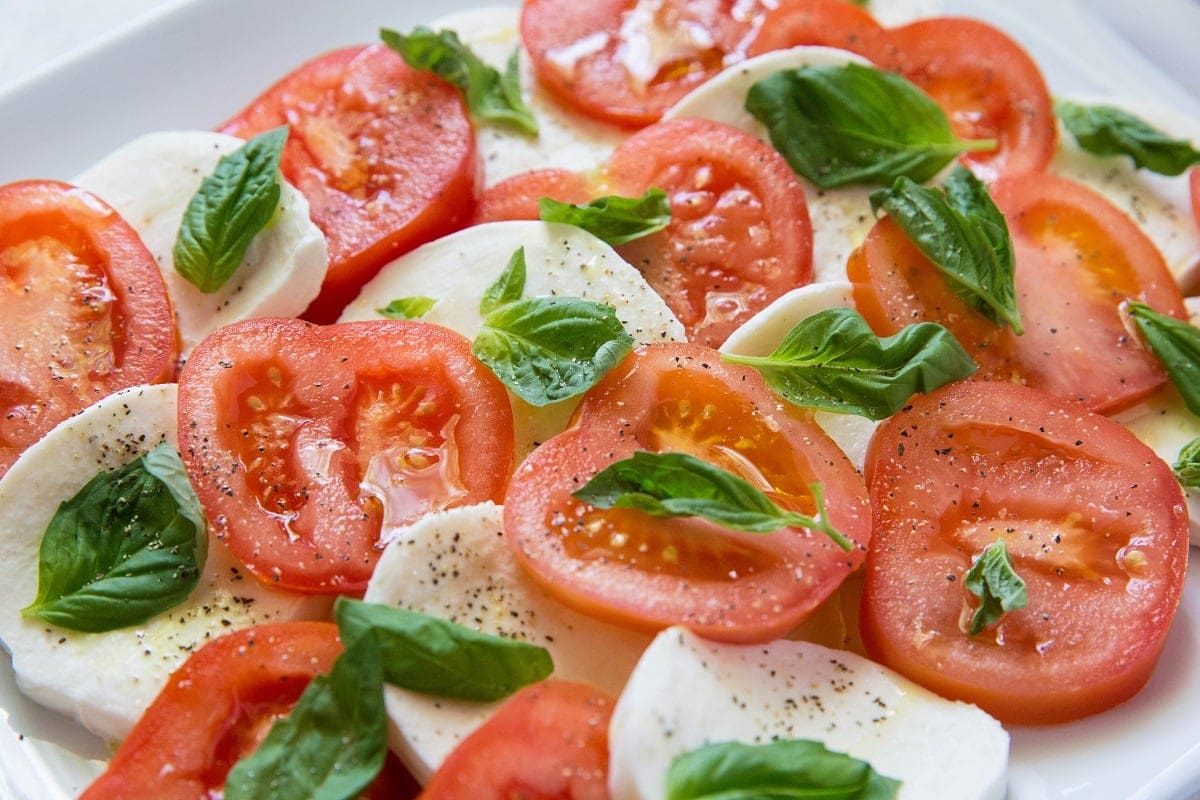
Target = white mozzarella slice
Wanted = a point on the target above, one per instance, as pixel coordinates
(892, 13)
(150, 182)
(560, 260)
(687, 692)
(565, 139)
(455, 565)
(106, 680)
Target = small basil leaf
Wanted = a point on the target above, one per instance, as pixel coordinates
(1187, 465)
(508, 287)
(787, 768)
(490, 96)
(963, 233)
(854, 124)
(834, 361)
(407, 308)
(680, 485)
(616, 220)
(332, 744)
(429, 655)
(994, 580)
(228, 210)
(547, 349)
(1177, 345)
(1108, 131)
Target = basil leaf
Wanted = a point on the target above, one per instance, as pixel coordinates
(407, 308)
(547, 349)
(1109, 131)
(994, 580)
(787, 768)
(963, 233)
(854, 124)
(508, 287)
(430, 655)
(680, 485)
(1177, 345)
(1187, 465)
(834, 361)
(131, 544)
(228, 210)
(616, 220)
(332, 744)
(490, 96)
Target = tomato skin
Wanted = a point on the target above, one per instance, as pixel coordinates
(293, 433)
(822, 23)
(648, 573)
(1093, 520)
(85, 310)
(548, 741)
(384, 153)
(516, 198)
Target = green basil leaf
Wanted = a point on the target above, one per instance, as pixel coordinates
(855, 124)
(1109, 131)
(407, 308)
(230, 208)
(680, 485)
(833, 360)
(332, 744)
(131, 544)
(430, 655)
(508, 287)
(547, 349)
(787, 768)
(616, 220)
(994, 580)
(490, 96)
(1177, 345)
(1187, 465)
(963, 233)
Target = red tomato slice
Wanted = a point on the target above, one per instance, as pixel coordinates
(627, 61)
(384, 153)
(517, 197)
(1094, 522)
(824, 23)
(647, 572)
(986, 83)
(307, 444)
(84, 306)
(549, 741)
(1077, 258)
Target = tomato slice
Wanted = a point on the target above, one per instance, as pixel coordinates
(384, 153)
(308, 444)
(1077, 258)
(649, 573)
(823, 23)
(84, 306)
(627, 61)
(1093, 520)
(548, 741)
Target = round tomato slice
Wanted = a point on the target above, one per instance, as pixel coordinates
(384, 153)
(84, 306)
(1094, 523)
(548, 741)
(647, 572)
(986, 83)
(627, 61)
(1077, 259)
(824, 23)
(307, 445)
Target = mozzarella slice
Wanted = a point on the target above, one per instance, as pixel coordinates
(150, 182)
(456, 565)
(560, 260)
(892, 13)
(687, 692)
(106, 680)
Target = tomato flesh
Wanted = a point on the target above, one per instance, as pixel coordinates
(820, 23)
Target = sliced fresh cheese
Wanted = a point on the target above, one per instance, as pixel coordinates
(456, 565)
(560, 260)
(150, 182)
(892, 13)
(687, 692)
(106, 680)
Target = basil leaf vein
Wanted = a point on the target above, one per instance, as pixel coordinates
(614, 219)
(1187, 465)
(1105, 130)
(508, 287)
(994, 580)
(407, 308)
(1177, 345)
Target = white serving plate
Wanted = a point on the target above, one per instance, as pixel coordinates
(193, 63)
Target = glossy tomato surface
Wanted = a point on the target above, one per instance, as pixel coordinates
(1094, 523)
(822, 23)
